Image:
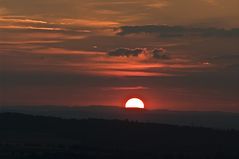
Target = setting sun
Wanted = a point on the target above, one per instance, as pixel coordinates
(134, 103)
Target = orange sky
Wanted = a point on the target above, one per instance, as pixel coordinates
(176, 54)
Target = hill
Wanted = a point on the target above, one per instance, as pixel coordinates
(218, 120)
(27, 136)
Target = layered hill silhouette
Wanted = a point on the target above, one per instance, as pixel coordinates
(219, 120)
(32, 137)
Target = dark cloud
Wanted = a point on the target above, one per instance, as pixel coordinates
(158, 53)
(127, 52)
(179, 31)
(226, 57)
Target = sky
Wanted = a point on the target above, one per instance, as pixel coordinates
(173, 54)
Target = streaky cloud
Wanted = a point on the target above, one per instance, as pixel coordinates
(178, 31)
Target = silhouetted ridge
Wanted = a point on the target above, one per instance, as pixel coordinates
(218, 120)
(94, 138)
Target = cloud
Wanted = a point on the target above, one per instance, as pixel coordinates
(21, 23)
(25, 20)
(88, 23)
(157, 5)
(158, 53)
(178, 31)
(226, 61)
(127, 52)
(126, 88)
(130, 11)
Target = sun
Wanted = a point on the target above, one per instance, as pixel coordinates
(134, 103)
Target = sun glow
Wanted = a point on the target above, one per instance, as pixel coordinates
(134, 103)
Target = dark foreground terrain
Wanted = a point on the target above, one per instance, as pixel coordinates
(36, 137)
(218, 120)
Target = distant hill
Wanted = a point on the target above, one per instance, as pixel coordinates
(221, 120)
(32, 137)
